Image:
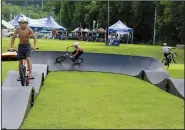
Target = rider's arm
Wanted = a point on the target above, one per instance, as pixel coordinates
(70, 46)
(34, 37)
(13, 38)
(171, 48)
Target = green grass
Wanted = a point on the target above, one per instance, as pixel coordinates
(98, 100)
(102, 100)
(176, 70)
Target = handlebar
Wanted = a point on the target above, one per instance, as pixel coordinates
(14, 50)
(34, 49)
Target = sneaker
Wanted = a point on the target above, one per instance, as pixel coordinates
(19, 79)
(31, 77)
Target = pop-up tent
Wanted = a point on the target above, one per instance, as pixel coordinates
(15, 23)
(7, 25)
(120, 27)
(86, 30)
(101, 30)
(77, 30)
(47, 22)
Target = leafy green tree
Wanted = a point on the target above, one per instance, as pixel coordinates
(135, 14)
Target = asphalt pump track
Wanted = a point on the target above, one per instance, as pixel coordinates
(17, 100)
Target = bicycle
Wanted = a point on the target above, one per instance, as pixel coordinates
(66, 55)
(172, 56)
(23, 71)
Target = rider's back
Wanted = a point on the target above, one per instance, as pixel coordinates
(79, 48)
(166, 49)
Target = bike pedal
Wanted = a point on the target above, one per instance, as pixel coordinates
(18, 79)
(31, 77)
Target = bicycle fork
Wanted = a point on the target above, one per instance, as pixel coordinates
(26, 72)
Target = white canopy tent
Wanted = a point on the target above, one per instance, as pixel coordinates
(86, 30)
(120, 27)
(15, 23)
(7, 25)
(77, 29)
(47, 22)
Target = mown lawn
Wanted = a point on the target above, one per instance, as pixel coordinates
(99, 100)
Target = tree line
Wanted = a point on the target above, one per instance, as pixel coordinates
(138, 15)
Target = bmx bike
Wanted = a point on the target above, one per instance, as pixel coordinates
(172, 56)
(65, 56)
(24, 78)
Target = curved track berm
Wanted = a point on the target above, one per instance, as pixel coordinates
(147, 68)
(18, 100)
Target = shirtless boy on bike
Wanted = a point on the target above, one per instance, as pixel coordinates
(77, 52)
(24, 47)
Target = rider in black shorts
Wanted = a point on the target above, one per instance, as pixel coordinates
(77, 52)
(24, 50)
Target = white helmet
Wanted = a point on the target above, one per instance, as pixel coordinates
(23, 19)
(76, 44)
(165, 44)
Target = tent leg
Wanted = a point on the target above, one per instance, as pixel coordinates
(127, 38)
(132, 37)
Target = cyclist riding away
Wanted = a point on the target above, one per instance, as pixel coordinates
(166, 52)
(24, 46)
(77, 52)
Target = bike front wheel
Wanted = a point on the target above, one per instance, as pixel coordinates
(23, 75)
(174, 57)
(60, 59)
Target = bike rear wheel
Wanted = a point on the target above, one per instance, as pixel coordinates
(79, 60)
(60, 59)
(23, 75)
(174, 57)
